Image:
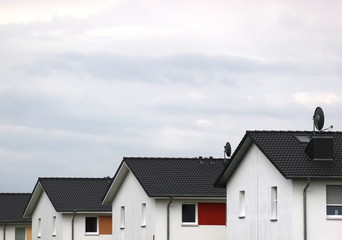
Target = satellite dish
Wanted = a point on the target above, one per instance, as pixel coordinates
(318, 118)
(227, 149)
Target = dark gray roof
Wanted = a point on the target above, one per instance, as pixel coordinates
(185, 177)
(12, 206)
(76, 194)
(287, 153)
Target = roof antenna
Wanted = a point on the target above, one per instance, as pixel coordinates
(227, 151)
(318, 121)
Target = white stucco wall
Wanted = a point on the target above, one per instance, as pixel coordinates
(256, 175)
(45, 211)
(318, 226)
(131, 195)
(10, 231)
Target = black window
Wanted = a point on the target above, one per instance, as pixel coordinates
(91, 224)
(189, 213)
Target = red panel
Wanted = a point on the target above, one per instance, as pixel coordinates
(211, 213)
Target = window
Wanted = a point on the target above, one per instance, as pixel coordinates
(54, 226)
(39, 233)
(19, 233)
(242, 204)
(189, 214)
(334, 200)
(91, 225)
(143, 215)
(274, 203)
(122, 217)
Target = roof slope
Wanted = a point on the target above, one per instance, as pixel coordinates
(12, 206)
(76, 194)
(186, 177)
(288, 155)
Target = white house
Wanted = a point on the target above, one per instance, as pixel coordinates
(285, 185)
(167, 199)
(12, 224)
(70, 209)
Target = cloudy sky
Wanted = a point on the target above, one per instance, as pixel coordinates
(84, 83)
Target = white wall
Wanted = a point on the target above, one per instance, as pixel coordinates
(256, 175)
(132, 196)
(318, 226)
(45, 211)
(10, 231)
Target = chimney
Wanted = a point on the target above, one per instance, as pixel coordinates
(320, 148)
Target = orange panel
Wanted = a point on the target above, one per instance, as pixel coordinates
(211, 213)
(29, 233)
(105, 223)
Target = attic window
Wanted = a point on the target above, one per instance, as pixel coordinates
(303, 138)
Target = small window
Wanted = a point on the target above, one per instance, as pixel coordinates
(39, 234)
(91, 225)
(334, 200)
(143, 215)
(54, 226)
(122, 217)
(274, 203)
(303, 138)
(242, 204)
(19, 233)
(189, 215)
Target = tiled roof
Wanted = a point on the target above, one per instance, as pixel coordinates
(12, 206)
(185, 177)
(76, 194)
(287, 154)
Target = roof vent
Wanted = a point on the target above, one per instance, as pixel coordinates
(320, 148)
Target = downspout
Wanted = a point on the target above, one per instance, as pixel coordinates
(5, 225)
(73, 226)
(304, 208)
(168, 218)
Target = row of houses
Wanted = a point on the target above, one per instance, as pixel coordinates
(277, 185)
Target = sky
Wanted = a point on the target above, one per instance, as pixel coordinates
(85, 83)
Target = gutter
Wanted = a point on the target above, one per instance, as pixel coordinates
(73, 226)
(168, 218)
(304, 209)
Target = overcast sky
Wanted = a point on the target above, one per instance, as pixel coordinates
(84, 83)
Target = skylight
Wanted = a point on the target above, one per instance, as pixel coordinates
(303, 138)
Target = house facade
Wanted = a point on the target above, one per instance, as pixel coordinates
(12, 224)
(285, 185)
(167, 198)
(70, 209)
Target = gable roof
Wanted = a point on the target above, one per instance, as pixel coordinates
(176, 177)
(287, 154)
(71, 194)
(12, 206)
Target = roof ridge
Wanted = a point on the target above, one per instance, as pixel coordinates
(7, 193)
(175, 158)
(73, 178)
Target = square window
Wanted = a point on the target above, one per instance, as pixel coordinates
(189, 213)
(334, 200)
(91, 225)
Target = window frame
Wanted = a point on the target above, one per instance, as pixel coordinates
(332, 217)
(122, 217)
(143, 215)
(242, 204)
(54, 226)
(39, 232)
(195, 223)
(97, 225)
(274, 203)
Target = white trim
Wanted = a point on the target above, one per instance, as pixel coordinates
(97, 226)
(196, 214)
